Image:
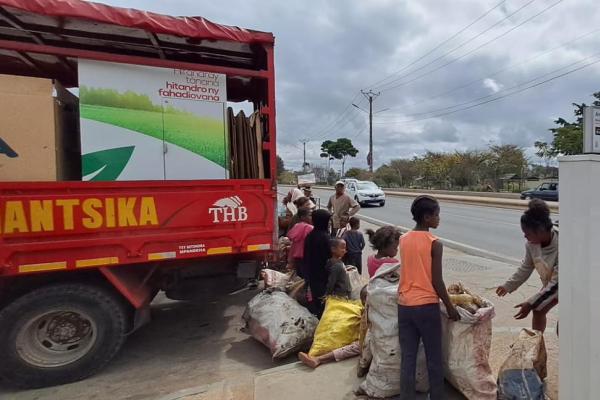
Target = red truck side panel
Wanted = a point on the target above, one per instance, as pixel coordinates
(73, 225)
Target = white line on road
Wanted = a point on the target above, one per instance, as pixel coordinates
(465, 248)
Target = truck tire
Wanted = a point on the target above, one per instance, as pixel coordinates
(59, 334)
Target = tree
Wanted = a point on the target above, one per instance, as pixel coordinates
(503, 160)
(387, 176)
(341, 149)
(359, 173)
(287, 178)
(280, 166)
(326, 152)
(568, 136)
(465, 168)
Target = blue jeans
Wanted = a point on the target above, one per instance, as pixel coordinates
(417, 323)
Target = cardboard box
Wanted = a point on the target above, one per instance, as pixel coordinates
(38, 130)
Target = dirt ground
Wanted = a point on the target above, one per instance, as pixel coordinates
(187, 349)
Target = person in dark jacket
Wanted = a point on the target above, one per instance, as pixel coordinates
(355, 243)
(317, 252)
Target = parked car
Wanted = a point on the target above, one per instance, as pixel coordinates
(365, 192)
(546, 191)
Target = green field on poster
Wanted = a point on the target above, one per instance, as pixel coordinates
(203, 136)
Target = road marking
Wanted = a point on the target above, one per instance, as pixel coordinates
(465, 248)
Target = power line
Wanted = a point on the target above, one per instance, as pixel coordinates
(498, 72)
(503, 96)
(461, 45)
(330, 126)
(339, 118)
(485, 14)
(475, 49)
(504, 90)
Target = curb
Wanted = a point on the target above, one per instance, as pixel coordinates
(465, 248)
(481, 201)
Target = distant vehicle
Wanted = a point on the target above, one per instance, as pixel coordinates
(348, 180)
(546, 191)
(365, 192)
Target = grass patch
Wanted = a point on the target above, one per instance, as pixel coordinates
(203, 136)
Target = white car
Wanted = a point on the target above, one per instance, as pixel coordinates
(365, 192)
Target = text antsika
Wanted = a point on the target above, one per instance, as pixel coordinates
(19, 216)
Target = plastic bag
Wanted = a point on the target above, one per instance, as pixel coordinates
(357, 282)
(296, 288)
(522, 373)
(466, 350)
(274, 278)
(279, 322)
(339, 326)
(383, 378)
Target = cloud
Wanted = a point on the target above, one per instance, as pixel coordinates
(328, 51)
(439, 131)
(491, 84)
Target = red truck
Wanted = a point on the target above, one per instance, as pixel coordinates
(80, 262)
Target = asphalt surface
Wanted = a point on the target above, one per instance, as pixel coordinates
(491, 229)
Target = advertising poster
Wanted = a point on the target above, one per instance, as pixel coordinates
(147, 123)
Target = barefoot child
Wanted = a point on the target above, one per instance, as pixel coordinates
(541, 254)
(385, 240)
(355, 243)
(420, 289)
(351, 350)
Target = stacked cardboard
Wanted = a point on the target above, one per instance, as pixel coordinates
(246, 145)
(39, 132)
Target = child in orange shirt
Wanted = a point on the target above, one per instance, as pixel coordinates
(420, 289)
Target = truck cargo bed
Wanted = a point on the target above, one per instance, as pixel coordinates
(74, 225)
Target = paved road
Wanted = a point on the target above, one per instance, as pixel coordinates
(491, 229)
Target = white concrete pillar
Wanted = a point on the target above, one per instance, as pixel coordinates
(579, 277)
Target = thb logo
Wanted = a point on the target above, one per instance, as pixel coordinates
(228, 209)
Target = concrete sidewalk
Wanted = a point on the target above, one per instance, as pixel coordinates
(481, 275)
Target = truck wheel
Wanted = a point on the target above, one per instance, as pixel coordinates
(60, 333)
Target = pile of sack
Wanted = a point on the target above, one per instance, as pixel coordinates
(278, 317)
(466, 343)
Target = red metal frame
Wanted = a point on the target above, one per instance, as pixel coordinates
(125, 59)
(27, 252)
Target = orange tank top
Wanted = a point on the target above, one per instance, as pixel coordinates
(416, 287)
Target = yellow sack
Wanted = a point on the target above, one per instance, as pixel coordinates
(339, 326)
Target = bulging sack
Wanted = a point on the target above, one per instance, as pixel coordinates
(274, 278)
(279, 322)
(357, 282)
(339, 326)
(522, 373)
(466, 351)
(383, 378)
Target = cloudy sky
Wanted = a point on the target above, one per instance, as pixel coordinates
(327, 51)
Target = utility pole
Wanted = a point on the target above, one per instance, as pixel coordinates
(304, 141)
(370, 95)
